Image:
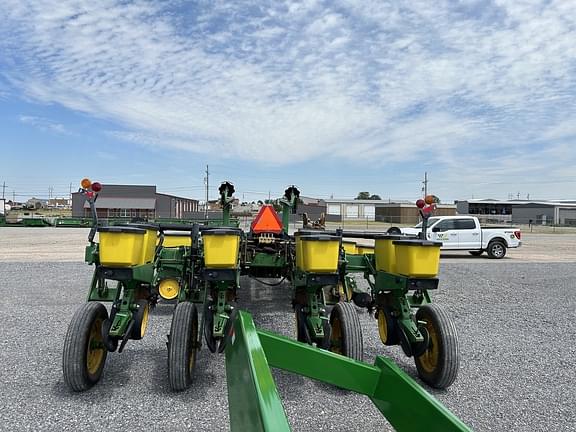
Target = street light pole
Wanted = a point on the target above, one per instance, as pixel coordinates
(207, 178)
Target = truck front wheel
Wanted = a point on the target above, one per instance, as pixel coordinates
(496, 249)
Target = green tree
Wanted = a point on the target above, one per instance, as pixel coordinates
(367, 196)
(363, 196)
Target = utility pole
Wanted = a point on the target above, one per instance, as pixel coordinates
(425, 182)
(207, 187)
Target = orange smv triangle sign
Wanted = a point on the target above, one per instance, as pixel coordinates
(266, 221)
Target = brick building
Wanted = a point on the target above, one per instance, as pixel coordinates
(131, 201)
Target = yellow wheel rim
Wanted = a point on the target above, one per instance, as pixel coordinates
(95, 349)
(429, 360)
(336, 336)
(144, 323)
(343, 292)
(169, 289)
(382, 326)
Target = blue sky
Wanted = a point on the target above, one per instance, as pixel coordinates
(336, 97)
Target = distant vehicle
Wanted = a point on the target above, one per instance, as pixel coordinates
(465, 233)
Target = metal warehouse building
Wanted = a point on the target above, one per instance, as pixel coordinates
(521, 212)
(134, 201)
(399, 212)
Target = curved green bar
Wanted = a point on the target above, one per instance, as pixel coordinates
(255, 405)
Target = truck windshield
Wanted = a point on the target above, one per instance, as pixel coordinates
(430, 222)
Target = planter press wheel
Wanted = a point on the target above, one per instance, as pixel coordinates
(111, 343)
(84, 353)
(302, 333)
(140, 318)
(438, 364)
(346, 333)
(387, 326)
(182, 346)
(208, 317)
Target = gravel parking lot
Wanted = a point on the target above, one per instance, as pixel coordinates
(515, 317)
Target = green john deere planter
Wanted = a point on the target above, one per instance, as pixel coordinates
(199, 267)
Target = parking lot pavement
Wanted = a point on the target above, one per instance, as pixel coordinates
(514, 320)
(536, 248)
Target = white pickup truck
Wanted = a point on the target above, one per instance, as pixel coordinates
(465, 233)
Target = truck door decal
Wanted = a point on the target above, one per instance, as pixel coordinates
(442, 236)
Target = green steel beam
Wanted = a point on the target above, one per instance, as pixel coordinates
(106, 295)
(406, 405)
(255, 404)
(262, 259)
(91, 254)
(322, 365)
(253, 399)
(143, 273)
(356, 263)
(286, 209)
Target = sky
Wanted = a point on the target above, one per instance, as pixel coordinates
(336, 97)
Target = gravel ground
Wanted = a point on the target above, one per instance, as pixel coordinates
(515, 322)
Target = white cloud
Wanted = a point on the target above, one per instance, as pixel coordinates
(44, 124)
(373, 80)
(562, 130)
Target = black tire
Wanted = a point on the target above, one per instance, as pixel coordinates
(84, 354)
(387, 326)
(182, 346)
(140, 318)
(476, 253)
(496, 249)
(438, 365)
(346, 333)
(362, 300)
